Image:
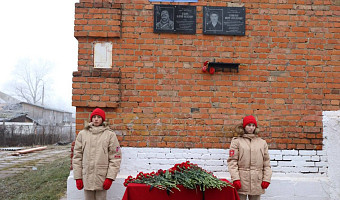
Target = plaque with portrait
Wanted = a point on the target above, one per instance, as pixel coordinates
(223, 20)
(174, 19)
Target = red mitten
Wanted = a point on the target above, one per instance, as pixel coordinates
(237, 184)
(264, 185)
(80, 184)
(107, 184)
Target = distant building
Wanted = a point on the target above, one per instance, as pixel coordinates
(13, 110)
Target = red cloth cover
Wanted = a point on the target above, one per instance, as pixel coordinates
(135, 191)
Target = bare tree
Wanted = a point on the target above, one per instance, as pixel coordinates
(31, 80)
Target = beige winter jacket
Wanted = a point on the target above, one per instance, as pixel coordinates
(97, 156)
(249, 162)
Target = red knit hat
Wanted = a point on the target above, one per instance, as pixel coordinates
(99, 112)
(249, 119)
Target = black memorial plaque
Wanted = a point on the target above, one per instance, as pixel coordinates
(174, 19)
(224, 20)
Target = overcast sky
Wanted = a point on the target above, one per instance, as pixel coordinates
(40, 29)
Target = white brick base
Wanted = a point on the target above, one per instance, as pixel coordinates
(215, 160)
(297, 174)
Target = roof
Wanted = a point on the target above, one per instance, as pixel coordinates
(9, 108)
(12, 109)
(46, 107)
(6, 99)
(8, 116)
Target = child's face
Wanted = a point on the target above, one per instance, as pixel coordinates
(97, 120)
(250, 128)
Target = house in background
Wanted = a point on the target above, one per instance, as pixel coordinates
(13, 110)
(23, 119)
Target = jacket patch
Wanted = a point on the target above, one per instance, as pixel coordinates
(117, 149)
(117, 156)
(231, 152)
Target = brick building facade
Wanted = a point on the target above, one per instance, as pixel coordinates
(165, 110)
(156, 94)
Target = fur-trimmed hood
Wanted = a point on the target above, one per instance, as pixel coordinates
(88, 125)
(240, 130)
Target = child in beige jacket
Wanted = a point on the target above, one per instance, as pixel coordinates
(249, 162)
(97, 157)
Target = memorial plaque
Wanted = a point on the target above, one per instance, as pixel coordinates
(224, 20)
(103, 55)
(174, 19)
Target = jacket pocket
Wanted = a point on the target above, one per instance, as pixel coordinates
(258, 187)
(102, 169)
(245, 180)
(101, 173)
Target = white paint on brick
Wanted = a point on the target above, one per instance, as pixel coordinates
(218, 151)
(288, 163)
(331, 131)
(273, 163)
(307, 152)
(290, 152)
(176, 151)
(215, 160)
(321, 152)
(275, 152)
(276, 157)
(315, 158)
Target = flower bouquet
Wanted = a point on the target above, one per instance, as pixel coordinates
(187, 174)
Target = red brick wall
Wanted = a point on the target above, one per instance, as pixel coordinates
(160, 97)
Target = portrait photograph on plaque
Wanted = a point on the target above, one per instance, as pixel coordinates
(164, 18)
(215, 20)
(223, 20)
(174, 19)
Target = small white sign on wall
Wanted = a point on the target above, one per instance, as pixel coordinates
(103, 55)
